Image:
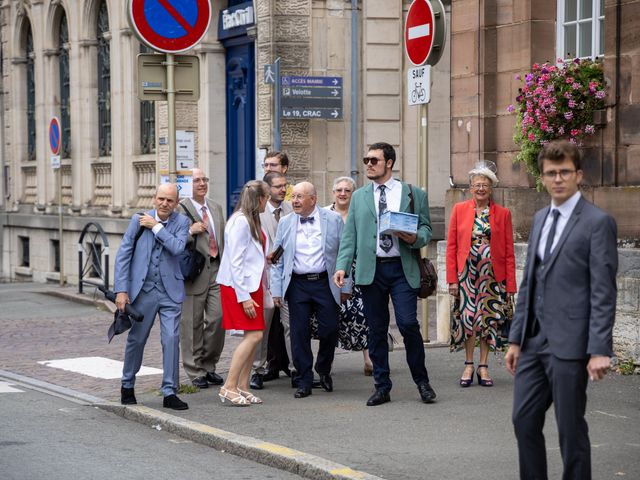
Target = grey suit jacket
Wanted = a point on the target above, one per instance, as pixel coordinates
(331, 228)
(201, 283)
(131, 265)
(269, 224)
(578, 287)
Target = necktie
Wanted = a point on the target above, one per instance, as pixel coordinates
(213, 245)
(306, 219)
(276, 213)
(552, 234)
(385, 240)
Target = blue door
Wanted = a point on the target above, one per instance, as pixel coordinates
(241, 148)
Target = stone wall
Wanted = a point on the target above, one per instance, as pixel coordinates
(626, 332)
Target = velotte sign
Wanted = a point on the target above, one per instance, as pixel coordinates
(419, 32)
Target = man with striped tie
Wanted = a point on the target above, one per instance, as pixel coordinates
(201, 333)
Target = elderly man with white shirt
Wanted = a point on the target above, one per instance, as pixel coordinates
(310, 237)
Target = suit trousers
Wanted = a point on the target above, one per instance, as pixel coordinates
(201, 332)
(154, 303)
(389, 281)
(277, 352)
(542, 379)
(306, 297)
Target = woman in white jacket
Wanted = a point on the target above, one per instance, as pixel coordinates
(240, 277)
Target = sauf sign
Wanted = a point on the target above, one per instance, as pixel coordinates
(424, 37)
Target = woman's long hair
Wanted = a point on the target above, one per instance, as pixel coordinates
(249, 205)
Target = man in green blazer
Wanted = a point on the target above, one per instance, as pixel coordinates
(387, 266)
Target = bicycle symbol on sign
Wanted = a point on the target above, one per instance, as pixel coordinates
(418, 93)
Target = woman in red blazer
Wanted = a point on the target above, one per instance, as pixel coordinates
(481, 272)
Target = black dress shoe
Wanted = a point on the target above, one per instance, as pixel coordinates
(378, 398)
(271, 375)
(326, 382)
(200, 382)
(174, 403)
(214, 379)
(256, 381)
(127, 396)
(302, 392)
(426, 393)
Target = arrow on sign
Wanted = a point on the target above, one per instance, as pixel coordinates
(335, 114)
(335, 92)
(335, 81)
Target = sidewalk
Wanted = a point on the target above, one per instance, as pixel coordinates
(466, 434)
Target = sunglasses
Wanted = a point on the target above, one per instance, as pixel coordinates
(372, 160)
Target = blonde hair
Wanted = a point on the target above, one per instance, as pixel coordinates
(249, 205)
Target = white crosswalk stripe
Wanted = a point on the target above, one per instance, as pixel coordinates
(7, 388)
(97, 367)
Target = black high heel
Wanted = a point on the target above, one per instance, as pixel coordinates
(467, 382)
(484, 382)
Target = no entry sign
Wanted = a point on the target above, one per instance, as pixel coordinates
(419, 31)
(170, 26)
(54, 135)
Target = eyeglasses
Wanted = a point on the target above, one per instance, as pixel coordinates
(342, 190)
(565, 174)
(279, 187)
(270, 165)
(372, 160)
(478, 186)
(201, 180)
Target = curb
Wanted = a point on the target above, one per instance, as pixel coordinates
(249, 448)
(82, 298)
(267, 453)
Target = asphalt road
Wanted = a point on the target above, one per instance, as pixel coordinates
(46, 437)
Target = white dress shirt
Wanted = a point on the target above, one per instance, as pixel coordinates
(393, 193)
(566, 209)
(198, 207)
(309, 257)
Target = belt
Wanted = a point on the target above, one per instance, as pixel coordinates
(387, 259)
(312, 277)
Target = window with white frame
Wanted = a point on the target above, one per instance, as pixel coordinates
(580, 29)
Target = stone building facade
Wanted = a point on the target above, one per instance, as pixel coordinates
(76, 59)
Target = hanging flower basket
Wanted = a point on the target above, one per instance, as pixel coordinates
(556, 101)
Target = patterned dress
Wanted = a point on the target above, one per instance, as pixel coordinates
(479, 311)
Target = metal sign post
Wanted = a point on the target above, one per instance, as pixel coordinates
(278, 106)
(170, 26)
(55, 140)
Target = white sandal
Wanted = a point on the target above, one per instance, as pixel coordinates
(250, 397)
(235, 399)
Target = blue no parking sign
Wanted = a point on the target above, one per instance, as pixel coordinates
(170, 26)
(54, 135)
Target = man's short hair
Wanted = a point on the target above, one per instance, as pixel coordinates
(559, 150)
(281, 156)
(271, 176)
(387, 150)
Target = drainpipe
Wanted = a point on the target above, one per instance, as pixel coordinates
(354, 89)
(616, 154)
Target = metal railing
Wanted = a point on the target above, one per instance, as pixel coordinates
(94, 270)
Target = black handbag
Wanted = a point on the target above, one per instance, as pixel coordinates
(428, 273)
(191, 260)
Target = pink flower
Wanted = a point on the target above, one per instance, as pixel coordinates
(572, 103)
(560, 130)
(510, 108)
(600, 94)
(590, 129)
(531, 137)
(568, 115)
(517, 76)
(574, 132)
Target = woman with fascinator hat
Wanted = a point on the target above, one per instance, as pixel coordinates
(481, 272)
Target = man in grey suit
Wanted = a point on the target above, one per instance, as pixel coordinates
(277, 208)
(310, 238)
(201, 332)
(147, 275)
(561, 333)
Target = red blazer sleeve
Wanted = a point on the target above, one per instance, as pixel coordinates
(509, 254)
(452, 247)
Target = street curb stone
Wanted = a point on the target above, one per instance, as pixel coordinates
(267, 453)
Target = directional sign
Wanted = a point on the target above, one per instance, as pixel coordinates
(418, 31)
(54, 135)
(311, 97)
(170, 26)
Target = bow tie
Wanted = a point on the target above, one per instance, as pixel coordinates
(307, 219)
